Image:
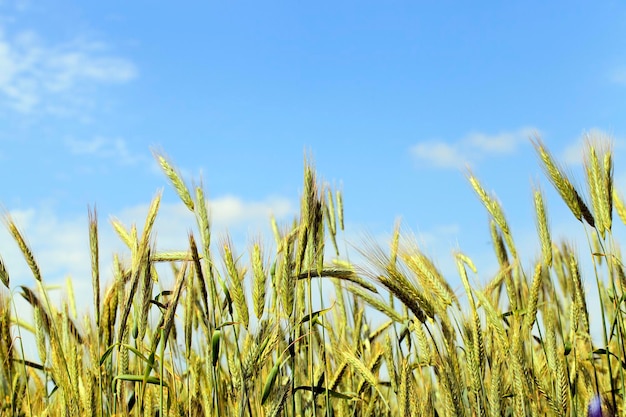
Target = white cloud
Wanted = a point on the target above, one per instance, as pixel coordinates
(102, 147)
(574, 153)
(470, 149)
(502, 143)
(439, 235)
(230, 210)
(35, 74)
(227, 213)
(438, 154)
(61, 245)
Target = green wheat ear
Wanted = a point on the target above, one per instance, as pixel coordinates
(176, 180)
(4, 275)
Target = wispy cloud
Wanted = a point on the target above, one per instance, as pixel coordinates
(618, 76)
(470, 149)
(105, 148)
(574, 153)
(61, 244)
(36, 75)
(229, 213)
(230, 210)
(438, 154)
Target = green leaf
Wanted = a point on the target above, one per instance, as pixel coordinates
(315, 315)
(215, 346)
(270, 382)
(321, 390)
(140, 378)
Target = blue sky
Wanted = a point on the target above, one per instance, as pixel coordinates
(392, 99)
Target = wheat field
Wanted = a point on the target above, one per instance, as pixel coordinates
(260, 334)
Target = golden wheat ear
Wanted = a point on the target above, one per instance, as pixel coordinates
(563, 185)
